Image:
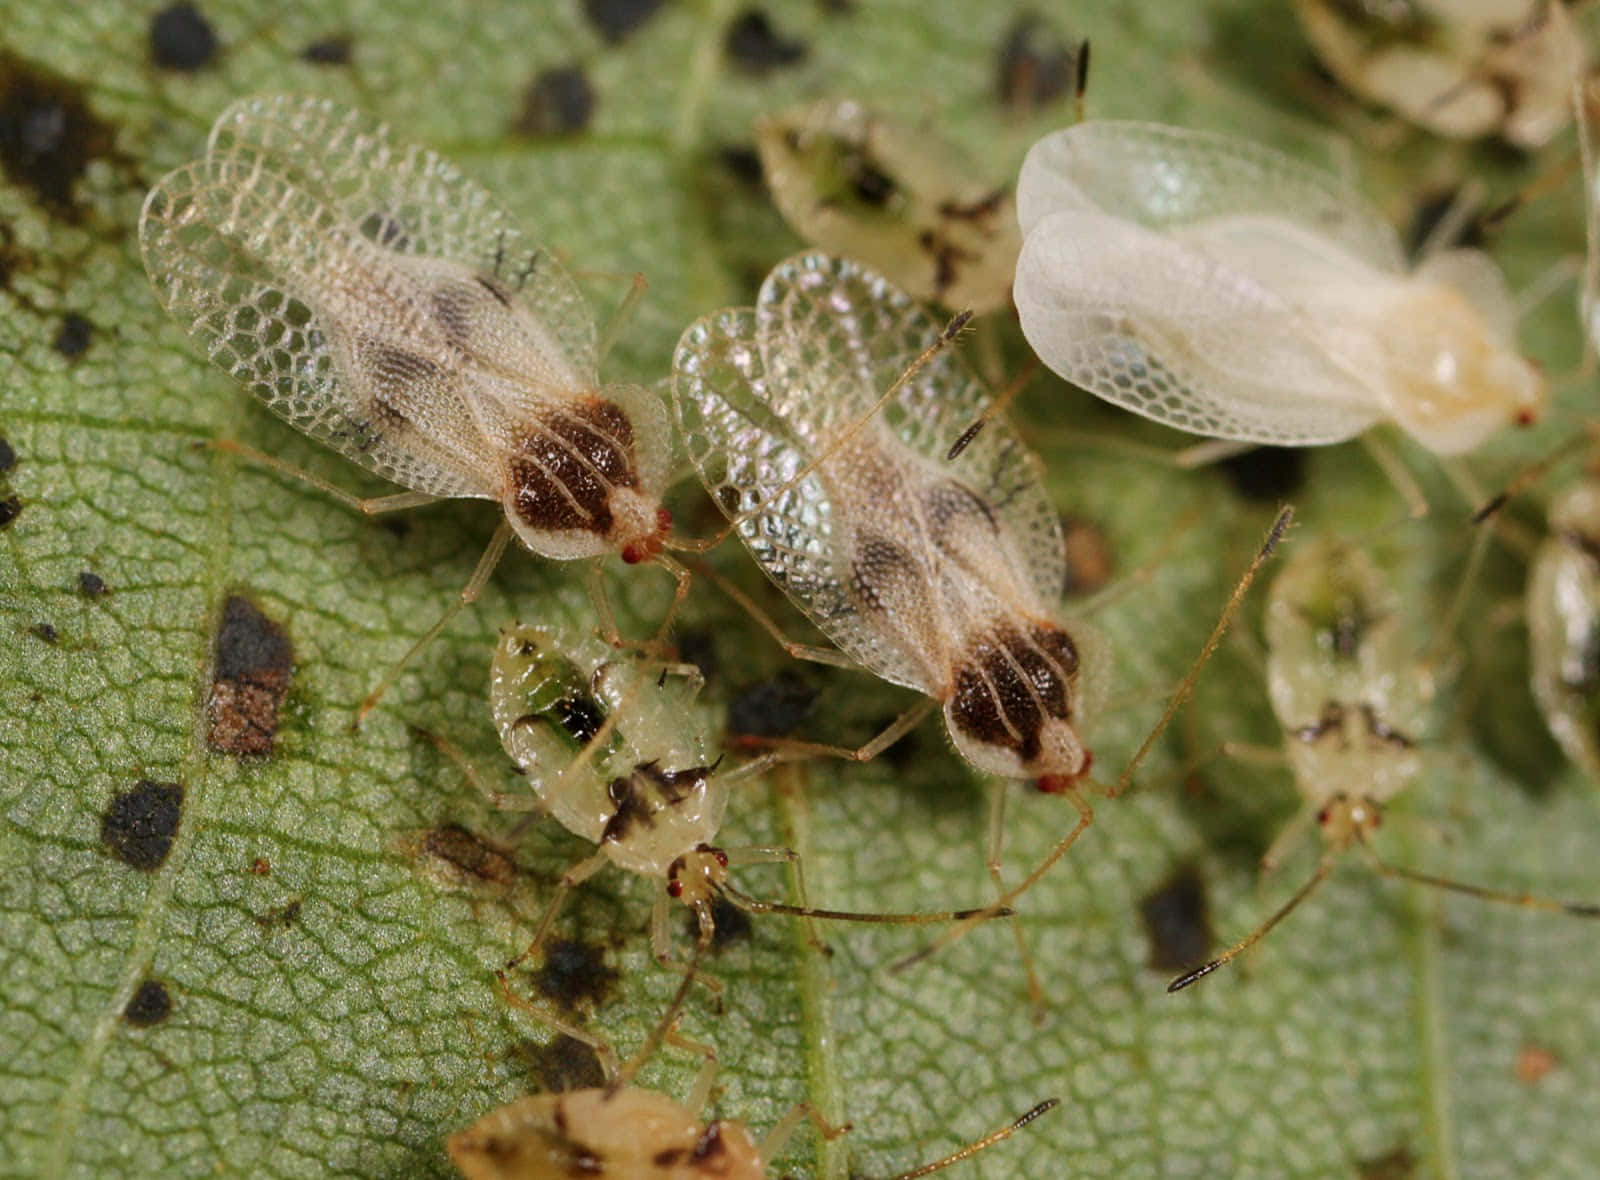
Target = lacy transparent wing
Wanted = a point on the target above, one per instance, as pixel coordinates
(844, 334)
(409, 200)
(1164, 331)
(729, 416)
(1164, 177)
(236, 254)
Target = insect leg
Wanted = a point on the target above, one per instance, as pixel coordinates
(469, 594)
(602, 1049)
(372, 506)
(996, 843)
(773, 1141)
(619, 319)
(796, 748)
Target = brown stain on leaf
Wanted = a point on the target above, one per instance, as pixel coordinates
(455, 858)
(253, 665)
(565, 1063)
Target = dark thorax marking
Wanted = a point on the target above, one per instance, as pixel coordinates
(646, 792)
(1331, 722)
(1011, 684)
(565, 468)
(710, 1147)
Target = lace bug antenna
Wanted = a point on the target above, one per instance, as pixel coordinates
(1344, 677)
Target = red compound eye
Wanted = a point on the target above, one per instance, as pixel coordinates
(633, 553)
(722, 858)
(663, 520)
(674, 888)
(1526, 418)
(1322, 816)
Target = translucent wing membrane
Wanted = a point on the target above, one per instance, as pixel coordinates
(242, 260)
(368, 293)
(1158, 328)
(1162, 177)
(412, 201)
(830, 324)
(728, 408)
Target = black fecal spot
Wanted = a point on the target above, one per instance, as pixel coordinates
(1036, 64)
(1426, 215)
(280, 917)
(73, 337)
(559, 101)
(253, 664)
(1395, 1164)
(8, 456)
(773, 708)
(743, 161)
(181, 38)
(150, 1004)
(1266, 474)
(91, 585)
(698, 646)
(139, 825)
(45, 631)
(574, 972)
(730, 924)
(1177, 921)
(566, 1063)
(47, 133)
(329, 51)
(10, 509)
(616, 19)
(756, 47)
(565, 471)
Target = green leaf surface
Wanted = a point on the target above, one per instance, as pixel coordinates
(332, 1003)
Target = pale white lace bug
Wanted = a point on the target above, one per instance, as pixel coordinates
(382, 302)
(1223, 288)
(936, 575)
(856, 182)
(1459, 68)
